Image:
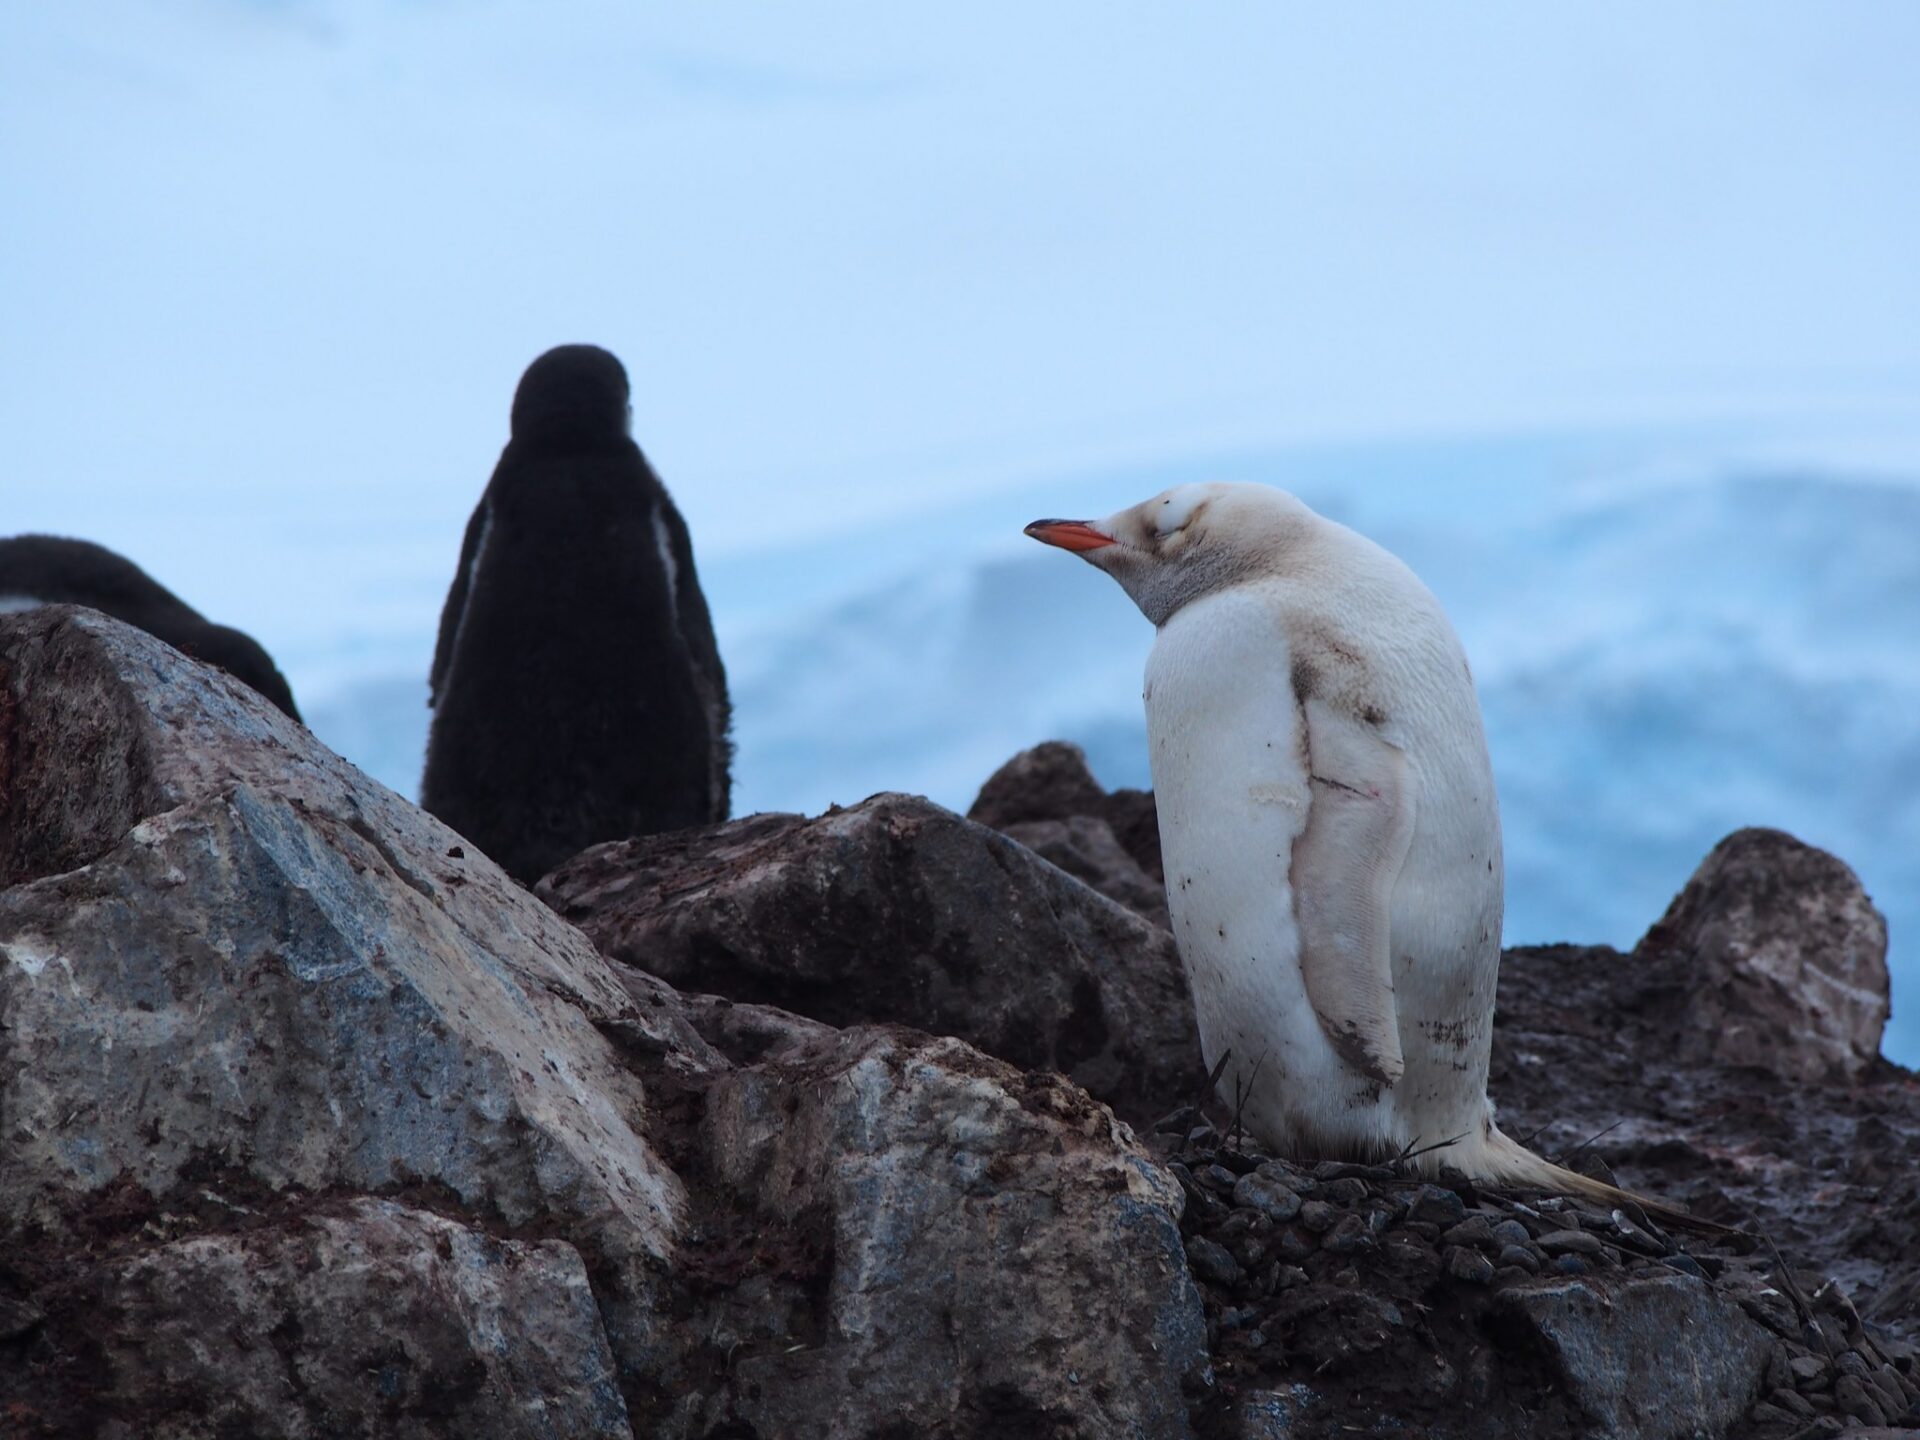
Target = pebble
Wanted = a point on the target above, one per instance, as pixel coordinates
(1570, 1265)
(1791, 1401)
(1475, 1230)
(1318, 1216)
(1218, 1177)
(1510, 1276)
(1780, 1369)
(1852, 1362)
(1294, 1245)
(1212, 1262)
(1570, 1242)
(1469, 1265)
(1521, 1256)
(1512, 1232)
(1282, 1173)
(1348, 1235)
(1433, 1205)
(1346, 1192)
(1806, 1369)
(1850, 1392)
(1685, 1264)
(1267, 1195)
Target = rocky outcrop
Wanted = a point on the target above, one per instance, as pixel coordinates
(897, 910)
(314, 1123)
(1782, 959)
(360, 1318)
(1048, 800)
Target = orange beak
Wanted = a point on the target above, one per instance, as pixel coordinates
(1075, 535)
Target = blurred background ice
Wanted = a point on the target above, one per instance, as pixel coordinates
(1605, 316)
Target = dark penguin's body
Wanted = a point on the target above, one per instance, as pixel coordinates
(577, 691)
(52, 570)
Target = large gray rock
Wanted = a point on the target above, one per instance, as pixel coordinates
(898, 910)
(371, 1319)
(966, 1251)
(1784, 960)
(233, 954)
(258, 1016)
(1646, 1359)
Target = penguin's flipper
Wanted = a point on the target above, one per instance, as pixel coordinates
(1359, 825)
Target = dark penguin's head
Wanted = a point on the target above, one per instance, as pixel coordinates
(572, 393)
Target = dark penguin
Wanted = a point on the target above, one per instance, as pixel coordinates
(577, 690)
(50, 570)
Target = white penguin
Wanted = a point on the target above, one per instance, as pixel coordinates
(1329, 828)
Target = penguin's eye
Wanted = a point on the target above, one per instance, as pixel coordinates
(1174, 513)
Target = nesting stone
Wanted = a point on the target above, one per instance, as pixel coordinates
(1475, 1230)
(1469, 1266)
(1570, 1265)
(1512, 1232)
(1318, 1216)
(1570, 1242)
(1294, 1245)
(1260, 1191)
(1851, 1394)
(1685, 1264)
(1434, 1205)
(1348, 1235)
(1212, 1262)
(1520, 1256)
(1347, 1191)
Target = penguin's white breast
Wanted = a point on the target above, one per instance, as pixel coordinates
(1230, 779)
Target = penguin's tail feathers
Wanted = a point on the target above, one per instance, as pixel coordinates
(1504, 1161)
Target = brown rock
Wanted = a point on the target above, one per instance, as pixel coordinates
(1051, 782)
(898, 911)
(1084, 846)
(1783, 958)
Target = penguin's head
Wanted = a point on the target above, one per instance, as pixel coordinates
(572, 393)
(1186, 542)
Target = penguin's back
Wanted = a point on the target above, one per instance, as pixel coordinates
(58, 570)
(577, 690)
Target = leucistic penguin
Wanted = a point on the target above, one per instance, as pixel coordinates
(1328, 825)
(52, 570)
(577, 690)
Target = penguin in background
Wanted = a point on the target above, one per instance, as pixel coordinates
(53, 570)
(577, 690)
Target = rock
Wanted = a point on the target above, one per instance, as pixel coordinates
(1051, 782)
(1784, 956)
(1569, 1242)
(229, 958)
(271, 1034)
(897, 910)
(956, 1244)
(371, 1320)
(1469, 1266)
(1646, 1359)
(1085, 847)
(1518, 1255)
(1855, 1398)
(1436, 1205)
(1267, 1195)
(1212, 1263)
(1318, 1216)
